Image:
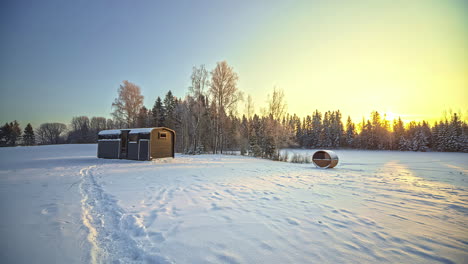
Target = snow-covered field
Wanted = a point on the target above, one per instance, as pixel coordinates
(60, 204)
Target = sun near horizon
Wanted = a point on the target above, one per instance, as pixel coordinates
(405, 59)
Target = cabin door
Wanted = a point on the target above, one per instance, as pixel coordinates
(124, 145)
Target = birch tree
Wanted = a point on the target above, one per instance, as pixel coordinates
(224, 95)
(127, 105)
(200, 82)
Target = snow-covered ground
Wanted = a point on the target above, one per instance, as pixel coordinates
(60, 204)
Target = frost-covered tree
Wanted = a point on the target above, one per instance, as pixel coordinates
(420, 140)
(307, 138)
(398, 134)
(365, 135)
(404, 144)
(454, 135)
(316, 130)
(256, 135)
(350, 134)
(127, 105)
(298, 131)
(326, 137)
(337, 129)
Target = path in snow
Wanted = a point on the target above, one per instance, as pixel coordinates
(115, 236)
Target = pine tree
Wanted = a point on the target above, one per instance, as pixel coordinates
(440, 134)
(404, 144)
(365, 135)
(350, 133)
(420, 140)
(426, 131)
(5, 135)
(308, 138)
(269, 129)
(316, 130)
(464, 138)
(454, 134)
(245, 135)
(169, 107)
(255, 137)
(337, 129)
(15, 133)
(326, 135)
(158, 113)
(375, 128)
(142, 117)
(29, 139)
(297, 128)
(398, 133)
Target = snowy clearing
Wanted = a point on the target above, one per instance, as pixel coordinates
(63, 205)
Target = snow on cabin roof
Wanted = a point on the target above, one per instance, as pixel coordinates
(141, 130)
(110, 132)
(145, 130)
(131, 131)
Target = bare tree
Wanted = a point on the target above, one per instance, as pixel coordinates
(276, 104)
(249, 108)
(80, 123)
(110, 124)
(128, 104)
(200, 81)
(225, 96)
(80, 130)
(197, 93)
(97, 124)
(50, 133)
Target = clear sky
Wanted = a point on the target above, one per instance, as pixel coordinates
(61, 59)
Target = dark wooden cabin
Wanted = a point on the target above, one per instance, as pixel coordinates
(136, 143)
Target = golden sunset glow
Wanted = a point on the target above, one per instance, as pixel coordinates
(390, 116)
(407, 56)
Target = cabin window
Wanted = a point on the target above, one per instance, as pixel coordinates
(133, 137)
(162, 135)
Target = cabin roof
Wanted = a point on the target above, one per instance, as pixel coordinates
(145, 130)
(110, 132)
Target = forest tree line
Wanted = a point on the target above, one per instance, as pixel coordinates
(206, 121)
